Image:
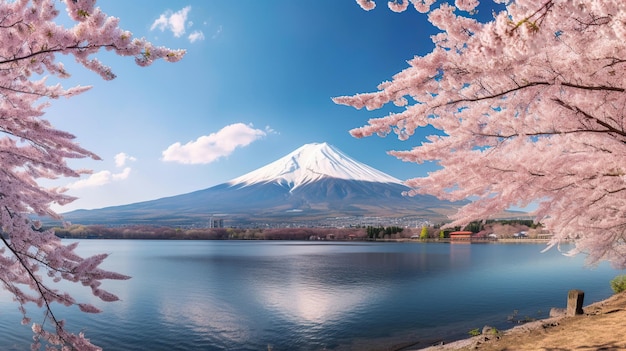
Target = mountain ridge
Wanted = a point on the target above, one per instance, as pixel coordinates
(313, 185)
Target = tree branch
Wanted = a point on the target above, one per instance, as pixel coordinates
(40, 287)
(610, 129)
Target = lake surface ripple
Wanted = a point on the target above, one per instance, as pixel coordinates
(289, 295)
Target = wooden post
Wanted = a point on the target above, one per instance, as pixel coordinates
(575, 302)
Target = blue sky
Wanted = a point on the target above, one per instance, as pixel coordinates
(256, 83)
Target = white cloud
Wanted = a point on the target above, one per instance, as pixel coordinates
(174, 21)
(269, 130)
(195, 36)
(105, 177)
(209, 148)
(99, 179)
(122, 158)
(122, 175)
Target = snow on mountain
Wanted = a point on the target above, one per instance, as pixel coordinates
(311, 163)
(313, 185)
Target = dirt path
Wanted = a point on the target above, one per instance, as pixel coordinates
(601, 327)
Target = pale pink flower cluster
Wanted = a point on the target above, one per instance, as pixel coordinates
(32, 260)
(366, 4)
(422, 6)
(531, 108)
(398, 6)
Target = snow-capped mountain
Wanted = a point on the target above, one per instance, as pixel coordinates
(311, 163)
(309, 185)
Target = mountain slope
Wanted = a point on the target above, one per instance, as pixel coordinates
(308, 186)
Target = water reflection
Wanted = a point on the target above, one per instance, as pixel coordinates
(460, 254)
(222, 323)
(311, 296)
(306, 301)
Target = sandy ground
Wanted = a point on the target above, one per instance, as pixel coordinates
(601, 327)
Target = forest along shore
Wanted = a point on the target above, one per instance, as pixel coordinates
(602, 326)
(505, 233)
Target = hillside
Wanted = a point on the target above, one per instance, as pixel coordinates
(312, 185)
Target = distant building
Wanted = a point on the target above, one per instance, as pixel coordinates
(216, 222)
(461, 236)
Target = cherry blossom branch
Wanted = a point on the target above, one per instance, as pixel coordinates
(545, 9)
(10, 25)
(492, 96)
(530, 85)
(535, 134)
(525, 110)
(31, 149)
(595, 21)
(40, 287)
(43, 51)
(609, 128)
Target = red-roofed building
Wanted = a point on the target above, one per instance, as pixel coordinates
(461, 235)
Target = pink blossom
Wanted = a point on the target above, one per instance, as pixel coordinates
(466, 5)
(32, 149)
(530, 106)
(87, 308)
(398, 5)
(366, 5)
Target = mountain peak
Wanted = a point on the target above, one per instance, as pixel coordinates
(314, 185)
(312, 162)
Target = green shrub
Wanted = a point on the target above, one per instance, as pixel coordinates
(474, 332)
(618, 284)
(494, 331)
(424, 233)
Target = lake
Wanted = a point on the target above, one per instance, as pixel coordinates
(291, 295)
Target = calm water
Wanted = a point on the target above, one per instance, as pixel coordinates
(243, 295)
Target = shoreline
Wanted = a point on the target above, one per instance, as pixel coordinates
(601, 326)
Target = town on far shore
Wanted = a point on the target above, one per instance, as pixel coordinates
(368, 229)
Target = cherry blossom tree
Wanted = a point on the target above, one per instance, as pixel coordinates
(33, 260)
(531, 109)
